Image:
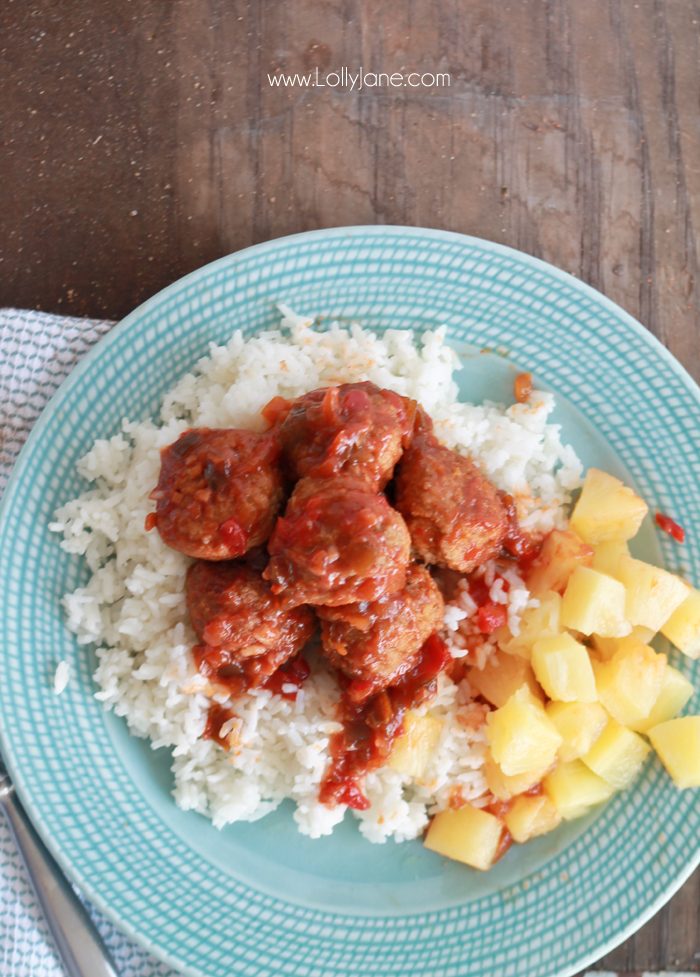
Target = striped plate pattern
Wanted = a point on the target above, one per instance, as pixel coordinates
(109, 822)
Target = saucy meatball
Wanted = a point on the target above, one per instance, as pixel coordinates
(219, 492)
(244, 632)
(355, 429)
(374, 643)
(337, 543)
(454, 514)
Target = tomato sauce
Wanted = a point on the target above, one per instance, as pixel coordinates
(259, 672)
(371, 727)
(671, 527)
(216, 717)
(518, 544)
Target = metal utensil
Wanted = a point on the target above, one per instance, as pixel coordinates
(78, 943)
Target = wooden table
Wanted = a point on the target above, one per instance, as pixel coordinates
(143, 138)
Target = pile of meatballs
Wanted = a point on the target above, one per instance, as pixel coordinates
(329, 518)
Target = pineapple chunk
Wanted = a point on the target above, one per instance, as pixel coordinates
(535, 623)
(562, 551)
(579, 723)
(574, 789)
(652, 594)
(605, 648)
(504, 787)
(629, 684)
(683, 626)
(521, 736)
(617, 755)
(677, 743)
(675, 692)
(563, 669)
(594, 602)
(413, 749)
(468, 835)
(606, 509)
(531, 816)
(606, 556)
(501, 676)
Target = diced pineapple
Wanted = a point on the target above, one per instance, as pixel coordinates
(563, 669)
(413, 749)
(468, 835)
(606, 509)
(535, 623)
(594, 603)
(652, 594)
(678, 744)
(579, 724)
(617, 755)
(605, 648)
(606, 556)
(629, 684)
(675, 692)
(521, 736)
(504, 787)
(683, 626)
(562, 551)
(531, 816)
(501, 676)
(574, 789)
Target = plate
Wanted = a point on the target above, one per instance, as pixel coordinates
(258, 899)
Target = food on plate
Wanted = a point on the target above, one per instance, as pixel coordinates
(530, 816)
(579, 724)
(375, 642)
(682, 628)
(244, 634)
(354, 429)
(453, 512)
(338, 542)
(677, 743)
(218, 493)
(607, 509)
(574, 789)
(369, 596)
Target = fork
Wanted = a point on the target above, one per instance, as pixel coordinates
(77, 941)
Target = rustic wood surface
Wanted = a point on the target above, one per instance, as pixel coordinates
(142, 139)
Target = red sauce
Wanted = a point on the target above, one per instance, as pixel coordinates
(216, 717)
(491, 616)
(259, 672)
(671, 527)
(517, 543)
(234, 536)
(294, 672)
(276, 410)
(371, 727)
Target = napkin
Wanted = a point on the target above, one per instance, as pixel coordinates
(37, 352)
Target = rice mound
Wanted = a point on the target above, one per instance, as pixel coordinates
(133, 607)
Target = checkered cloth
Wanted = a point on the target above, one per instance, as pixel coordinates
(37, 352)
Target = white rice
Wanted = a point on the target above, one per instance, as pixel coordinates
(133, 607)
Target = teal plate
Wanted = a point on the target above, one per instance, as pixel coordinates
(258, 900)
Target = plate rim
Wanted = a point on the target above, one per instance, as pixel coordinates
(171, 290)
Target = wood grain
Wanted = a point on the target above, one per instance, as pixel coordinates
(142, 139)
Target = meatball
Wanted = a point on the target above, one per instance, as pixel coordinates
(219, 492)
(454, 514)
(355, 429)
(337, 543)
(375, 643)
(244, 632)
